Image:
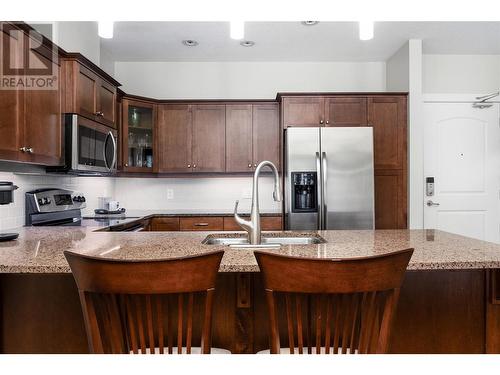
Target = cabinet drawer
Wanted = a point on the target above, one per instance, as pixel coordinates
(164, 224)
(202, 223)
(266, 223)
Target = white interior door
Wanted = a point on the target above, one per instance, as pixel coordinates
(461, 152)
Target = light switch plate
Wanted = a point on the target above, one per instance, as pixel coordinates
(170, 193)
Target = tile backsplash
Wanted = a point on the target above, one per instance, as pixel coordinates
(143, 193)
(194, 193)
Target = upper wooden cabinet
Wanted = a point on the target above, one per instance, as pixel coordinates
(313, 111)
(87, 93)
(252, 135)
(266, 134)
(138, 135)
(174, 138)
(191, 138)
(387, 115)
(239, 153)
(30, 119)
(209, 148)
(303, 111)
(346, 111)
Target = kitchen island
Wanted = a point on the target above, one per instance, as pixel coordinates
(450, 299)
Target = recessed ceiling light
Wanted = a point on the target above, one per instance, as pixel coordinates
(247, 43)
(237, 29)
(105, 29)
(365, 30)
(190, 43)
(309, 23)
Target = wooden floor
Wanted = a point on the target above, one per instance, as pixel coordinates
(439, 312)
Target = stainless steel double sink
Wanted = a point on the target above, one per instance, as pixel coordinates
(269, 240)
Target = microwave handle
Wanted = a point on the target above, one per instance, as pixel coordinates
(113, 163)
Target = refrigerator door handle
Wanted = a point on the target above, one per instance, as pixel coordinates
(320, 192)
(324, 170)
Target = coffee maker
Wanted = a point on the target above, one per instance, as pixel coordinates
(7, 197)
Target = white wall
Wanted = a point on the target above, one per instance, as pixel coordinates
(79, 37)
(12, 215)
(194, 193)
(461, 74)
(244, 80)
(415, 137)
(397, 70)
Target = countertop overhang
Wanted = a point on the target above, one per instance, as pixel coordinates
(40, 249)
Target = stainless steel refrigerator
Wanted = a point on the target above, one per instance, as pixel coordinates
(329, 178)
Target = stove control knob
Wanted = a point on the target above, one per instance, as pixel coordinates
(82, 199)
(40, 201)
(75, 199)
(46, 200)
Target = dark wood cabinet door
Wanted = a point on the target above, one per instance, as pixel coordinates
(11, 101)
(303, 111)
(86, 92)
(390, 199)
(266, 223)
(174, 140)
(106, 103)
(346, 111)
(42, 119)
(239, 138)
(209, 138)
(387, 115)
(266, 134)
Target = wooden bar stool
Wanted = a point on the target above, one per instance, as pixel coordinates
(159, 306)
(339, 306)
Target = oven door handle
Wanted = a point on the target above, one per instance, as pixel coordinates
(113, 163)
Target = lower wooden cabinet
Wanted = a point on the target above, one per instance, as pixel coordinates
(390, 199)
(164, 224)
(207, 223)
(266, 223)
(201, 223)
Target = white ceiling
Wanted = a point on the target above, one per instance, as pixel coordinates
(291, 41)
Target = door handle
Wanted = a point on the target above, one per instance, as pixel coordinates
(319, 199)
(324, 170)
(431, 204)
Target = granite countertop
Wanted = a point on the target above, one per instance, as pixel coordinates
(40, 249)
(180, 212)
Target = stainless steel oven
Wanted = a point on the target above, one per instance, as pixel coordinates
(89, 147)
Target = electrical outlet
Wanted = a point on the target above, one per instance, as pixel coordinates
(170, 193)
(247, 193)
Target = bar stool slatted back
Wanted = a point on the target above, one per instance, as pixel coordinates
(147, 306)
(340, 306)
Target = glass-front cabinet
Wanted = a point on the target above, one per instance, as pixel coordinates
(138, 136)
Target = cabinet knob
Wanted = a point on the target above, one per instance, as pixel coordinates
(189, 165)
(320, 121)
(250, 165)
(194, 165)
(255, 165)
(99, 113)
(23, 149)
(29, 150)
(126, 164)
(327, 121)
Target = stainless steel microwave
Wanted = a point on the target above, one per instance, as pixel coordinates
(89, 148)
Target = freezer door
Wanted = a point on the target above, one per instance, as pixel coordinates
(347, 176)
(302, 154)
